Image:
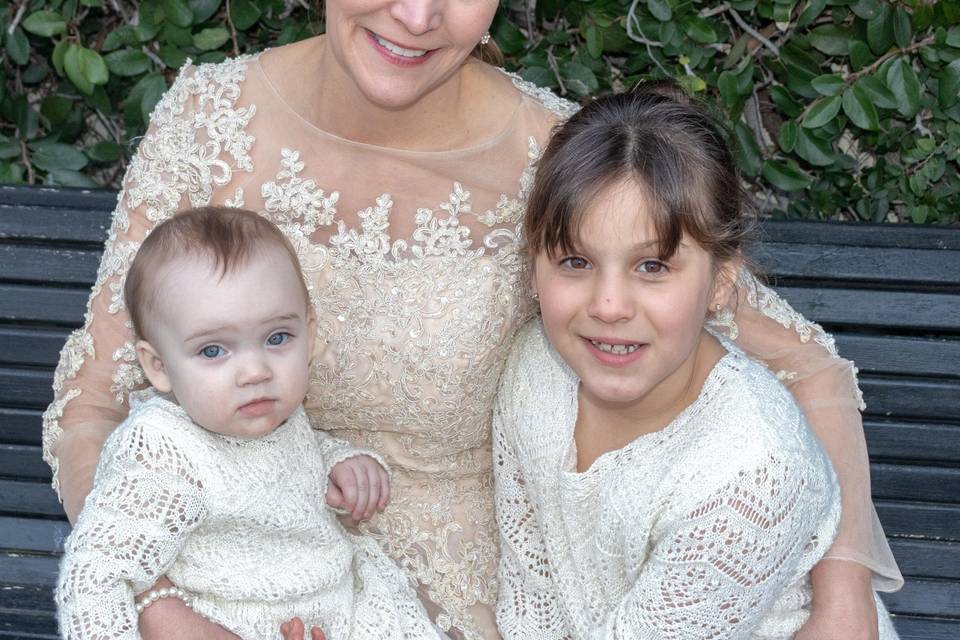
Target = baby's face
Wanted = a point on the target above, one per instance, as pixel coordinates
(234, 351)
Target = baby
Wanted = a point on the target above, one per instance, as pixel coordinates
(216, 479)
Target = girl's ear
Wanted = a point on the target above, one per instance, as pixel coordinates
(153, 367)
(725, 282)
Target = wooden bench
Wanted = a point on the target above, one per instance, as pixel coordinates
(890, 295)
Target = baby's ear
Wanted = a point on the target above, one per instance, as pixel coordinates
(153, 367)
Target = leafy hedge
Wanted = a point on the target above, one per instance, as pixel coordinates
(839, 108)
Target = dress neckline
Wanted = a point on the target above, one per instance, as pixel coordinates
(504, 133)
(731, 360)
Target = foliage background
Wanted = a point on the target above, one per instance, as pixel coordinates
(839, 108)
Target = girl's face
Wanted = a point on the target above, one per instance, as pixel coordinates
(397, 51)
(626, 322)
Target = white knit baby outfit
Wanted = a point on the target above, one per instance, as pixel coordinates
(241, 525)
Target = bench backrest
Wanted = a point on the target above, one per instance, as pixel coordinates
(890, 295)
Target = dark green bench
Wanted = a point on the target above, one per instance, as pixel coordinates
(890, 295)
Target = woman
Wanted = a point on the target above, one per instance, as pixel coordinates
(406, 163)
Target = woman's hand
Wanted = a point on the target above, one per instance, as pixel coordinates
(294, 630)
(843, 603)
(172, 619)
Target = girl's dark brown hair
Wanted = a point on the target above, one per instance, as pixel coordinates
(674, 150)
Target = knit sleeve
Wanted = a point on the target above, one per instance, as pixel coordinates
(718, 566)
(528, 606)
(145, 501)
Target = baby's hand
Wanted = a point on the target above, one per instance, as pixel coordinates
(359, 485)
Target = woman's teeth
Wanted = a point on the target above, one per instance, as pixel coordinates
(400, 51)
(619, 349)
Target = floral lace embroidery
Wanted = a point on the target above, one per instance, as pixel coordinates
(295, 202)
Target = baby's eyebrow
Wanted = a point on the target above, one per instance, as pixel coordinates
(203, 333)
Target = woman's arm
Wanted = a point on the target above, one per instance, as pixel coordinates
(527, 604)
(182, 159)
(803, 356)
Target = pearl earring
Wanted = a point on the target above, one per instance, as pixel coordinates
(486, 38)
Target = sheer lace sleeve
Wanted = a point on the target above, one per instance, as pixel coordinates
(146, 501)
(805, 359)
(195, 141)
(527, 605)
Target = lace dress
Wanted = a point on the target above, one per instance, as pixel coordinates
(705, 529)
(419, 284)
(251, 542)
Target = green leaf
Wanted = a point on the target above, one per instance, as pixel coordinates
(68, 178)
(949, 84)
(178, 12)
(822, 112)
(125, 36)
(788, 136)
(9, 148)
(59, 50)
(154, 86)
(746, 152)
(244, 14)
(878, 93)
(860, 55)
(814, 150)
(828, 84)
(105, 151)
(203, 10)
(10, 173)
(45, 23)
(880, 30)
(508, 36)
(594, 40)
(859, 108)
(953, 36)
(902, 31)
(831, 39)
(810, 12)
(903, 83)
(56, 155)
(127, 62)
(784, 101)
(729, 88)
(212, 38)
(578, 78)
(172, 56)
(866, 9)
(540, 76)
(698, 29)
(74, 69)
(56, 109)
(785, 175)
(93, 67)
(17, 46)
(660, 9)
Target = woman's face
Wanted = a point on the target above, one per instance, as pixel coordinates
(397, 51)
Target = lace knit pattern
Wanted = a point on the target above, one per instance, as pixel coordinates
(228, 522)
(706, 529)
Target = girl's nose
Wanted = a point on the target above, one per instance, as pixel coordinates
(611, 301)
(418, 16)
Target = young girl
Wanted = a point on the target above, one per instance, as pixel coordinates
(651, 480)
(216, 479)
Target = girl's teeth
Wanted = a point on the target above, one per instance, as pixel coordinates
(619, 349)
(400, 51)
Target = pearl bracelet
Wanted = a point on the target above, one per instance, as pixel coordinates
(166, 592)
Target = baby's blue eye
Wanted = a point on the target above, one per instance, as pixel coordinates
(278, 338)
(211, 351)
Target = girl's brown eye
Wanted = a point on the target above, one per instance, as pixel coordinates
(652, 266)
(575, 262)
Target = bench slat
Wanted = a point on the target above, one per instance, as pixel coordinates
(921, 596)
(901, 355)
(914, 442)
(915, 483)
(860, 234)
(31, 346)
(927, 558)
(917, 628)
(27, 303)
(20, 426)
(862, 264)
(33, 535)
(45, 265)
(917, 519)
(22, 498)
(23, 461)
(921, 399)
(863, 308)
